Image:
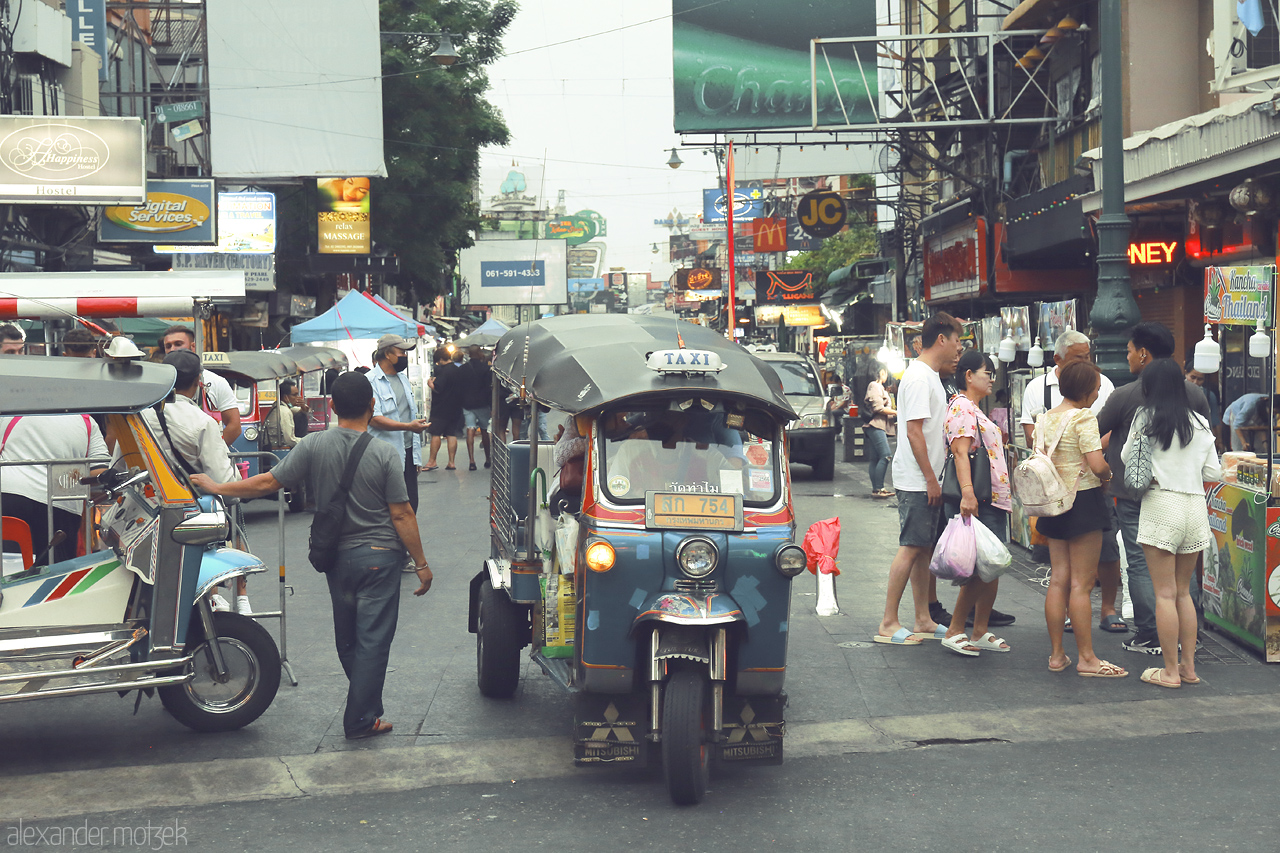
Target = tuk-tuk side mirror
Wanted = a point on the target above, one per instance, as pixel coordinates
(203, 528)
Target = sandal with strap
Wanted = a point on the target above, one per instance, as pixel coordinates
(960, 645)
(989, 642)
(1105, 670)
(379, 727)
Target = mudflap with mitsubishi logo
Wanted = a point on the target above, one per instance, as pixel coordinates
(753, 729)
(610, 729)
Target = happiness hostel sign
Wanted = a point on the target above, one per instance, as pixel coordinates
(1239, 296)
(72, 160)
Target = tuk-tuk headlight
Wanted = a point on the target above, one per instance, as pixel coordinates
(250, 433)
(791, 560)
(697, 556)
(600, 556)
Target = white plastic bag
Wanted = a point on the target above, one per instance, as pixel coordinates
(566, 542)
(956, 553)
(994, 558)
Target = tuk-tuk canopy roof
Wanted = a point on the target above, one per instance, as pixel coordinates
(581, 362)
(254, 365)
(40, 385)
(316, 358)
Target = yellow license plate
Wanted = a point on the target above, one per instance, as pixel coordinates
(693, 511)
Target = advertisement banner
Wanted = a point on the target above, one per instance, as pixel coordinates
(1233, 593)
(799, 240)
(343, 226)
(769, 235)
(790, 315)
(1239, 296)
(81, 160)
(699, 279)
(259, 270)
(1055, 318)
(784, 286)
(173, 208)
(955, 261)
(582, 227)
(748, 204)
(515, 272)
(246, 225)
(89, 27)
(1273, 585)
(748, 67)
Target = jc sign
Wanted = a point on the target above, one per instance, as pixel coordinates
(821, 214)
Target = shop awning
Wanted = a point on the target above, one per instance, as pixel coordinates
(1239, 137)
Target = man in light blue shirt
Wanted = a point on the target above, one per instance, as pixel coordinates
(1242, 416)
(396, 418)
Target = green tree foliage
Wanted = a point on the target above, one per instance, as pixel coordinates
(435, 120)
(856, 242)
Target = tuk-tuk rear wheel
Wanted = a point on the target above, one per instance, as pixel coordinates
(686, 752)
(500, 625)
(253, 664)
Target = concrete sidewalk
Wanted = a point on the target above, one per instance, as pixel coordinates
(838, 680)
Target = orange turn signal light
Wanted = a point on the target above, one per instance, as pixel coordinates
(600, 556)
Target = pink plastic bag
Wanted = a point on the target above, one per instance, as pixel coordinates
(822, 544)
(956, 553)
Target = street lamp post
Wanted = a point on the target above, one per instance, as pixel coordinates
(1114, 309)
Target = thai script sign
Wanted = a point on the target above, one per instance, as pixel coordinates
(1239, 296)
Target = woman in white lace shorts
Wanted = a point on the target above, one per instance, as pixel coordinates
(1173, 527)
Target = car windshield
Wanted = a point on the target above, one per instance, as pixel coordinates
(797, 378)
(689, 450)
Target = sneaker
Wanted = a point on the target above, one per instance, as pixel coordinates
(995, 620)
(242, 605)
(219, 603)
(938, 613)
(1142, 644)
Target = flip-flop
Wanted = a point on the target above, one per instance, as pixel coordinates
(960, 645)
(989, 642)
(451, 468)
(1066, 663)
(430, 467)
(379, 727)
(1155, 675)
(1185, 680)
(901, 637)
(1106, 670)
(1066, 626)
(939, 633)
(1113, 624)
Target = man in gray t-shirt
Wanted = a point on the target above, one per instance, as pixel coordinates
(364, 586)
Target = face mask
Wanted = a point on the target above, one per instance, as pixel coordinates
(401, 363)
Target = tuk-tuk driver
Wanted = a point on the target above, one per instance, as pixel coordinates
(217, 391)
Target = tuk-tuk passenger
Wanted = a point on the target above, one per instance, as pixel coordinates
(217, 391)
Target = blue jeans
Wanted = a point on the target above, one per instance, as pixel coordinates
(365, 590)
(1141, 592)
(878, 456)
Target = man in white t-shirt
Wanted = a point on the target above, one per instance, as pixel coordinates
(917, 469)
(1071, 346)
(217, 391)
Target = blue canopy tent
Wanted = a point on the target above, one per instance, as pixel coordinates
(357, 316)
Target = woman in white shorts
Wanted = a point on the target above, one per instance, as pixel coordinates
(1173, 527)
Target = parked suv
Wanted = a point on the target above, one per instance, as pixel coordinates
(811, 438)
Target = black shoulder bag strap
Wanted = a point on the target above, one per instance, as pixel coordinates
(1047, 407)
(164, 427)
(338, 503)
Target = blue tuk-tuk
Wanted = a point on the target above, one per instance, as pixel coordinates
(645, 557)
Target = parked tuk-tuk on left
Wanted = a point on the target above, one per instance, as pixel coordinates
(132, 611)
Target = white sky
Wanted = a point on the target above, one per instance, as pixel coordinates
(600, 110)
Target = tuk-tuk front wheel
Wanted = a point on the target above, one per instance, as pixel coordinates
(686, 751)
(253, 676)
(500, 628)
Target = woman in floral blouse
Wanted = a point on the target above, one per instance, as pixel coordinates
(965, 421)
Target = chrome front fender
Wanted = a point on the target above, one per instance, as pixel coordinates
(682, 608)
(219, 565)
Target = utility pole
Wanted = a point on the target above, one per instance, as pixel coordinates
(1114, 309)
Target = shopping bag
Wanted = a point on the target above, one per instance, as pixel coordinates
(956, 553)
(994, 558)
(822, 546)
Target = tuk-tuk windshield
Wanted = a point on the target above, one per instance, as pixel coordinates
(690, 449)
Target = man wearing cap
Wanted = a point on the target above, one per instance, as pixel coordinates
(395, 417)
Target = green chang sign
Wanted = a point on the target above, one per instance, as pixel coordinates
(1239, 296)
(746, 66)
(582, 227)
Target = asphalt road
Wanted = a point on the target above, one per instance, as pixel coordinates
(888, 747)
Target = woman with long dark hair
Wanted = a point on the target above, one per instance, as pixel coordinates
(877, 431)
(1173, 527)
